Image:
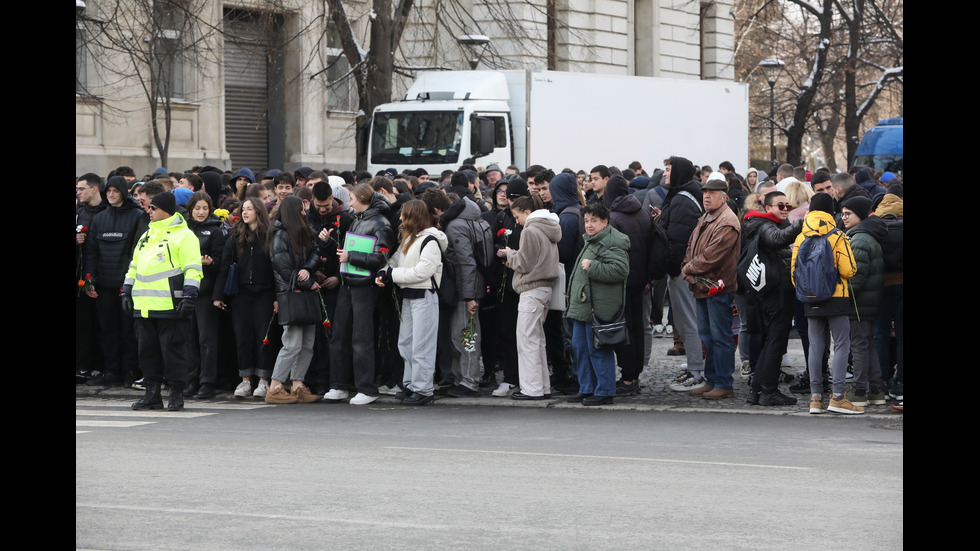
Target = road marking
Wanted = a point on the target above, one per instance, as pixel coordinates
(238, 514)
(115, 424)
(151, 413)
(188, 405)
(604, 457)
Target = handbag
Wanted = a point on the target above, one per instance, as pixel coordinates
(299, 307)
(558, 290)
(231, 283)
(607, 334)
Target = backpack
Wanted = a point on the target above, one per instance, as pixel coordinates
(757, 273)
(658, 252)
(483, 251)
(815, 273)
(448, 296)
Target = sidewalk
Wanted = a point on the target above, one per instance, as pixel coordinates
(654, 392)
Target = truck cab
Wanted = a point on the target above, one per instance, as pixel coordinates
(882, 148)
(445, 120)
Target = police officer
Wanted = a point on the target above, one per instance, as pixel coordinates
(160, 286)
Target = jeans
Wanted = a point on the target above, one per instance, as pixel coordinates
(596, 368)
(715, 328)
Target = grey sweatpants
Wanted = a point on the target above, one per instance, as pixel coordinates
(841, 332)
(686, 321)
(294, 358)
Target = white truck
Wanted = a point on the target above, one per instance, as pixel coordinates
(558, 120)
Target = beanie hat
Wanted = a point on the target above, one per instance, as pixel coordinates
(517, 188)
(166, 202)
(861, 206)
(182, 195)
(822, 202)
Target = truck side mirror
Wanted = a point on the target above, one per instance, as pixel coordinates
(485, 133)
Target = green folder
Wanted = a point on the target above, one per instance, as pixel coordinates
(355, 242)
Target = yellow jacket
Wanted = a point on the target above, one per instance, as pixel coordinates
(819, 223)
(166, 268)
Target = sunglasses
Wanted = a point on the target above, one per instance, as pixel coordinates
(782, 206)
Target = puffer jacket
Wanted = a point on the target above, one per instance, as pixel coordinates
(460, 224)
(110, 242)
(414, 268)
(821, 224)
(211, 234)
(608, 252)
(868, 284)
(535, 264)
(286, 260)
(372, 221)
(254, 265)
(775, 239)
(891, 210)
(626, 215)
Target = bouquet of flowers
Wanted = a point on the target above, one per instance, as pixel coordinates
(714, 287)
(469, 335)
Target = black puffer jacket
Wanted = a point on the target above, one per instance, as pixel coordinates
(775, 239)
(680, 212)
(287, 260)
(84, 215)
(211, 233)
(374, 222)
(626, 215)
(109, 245)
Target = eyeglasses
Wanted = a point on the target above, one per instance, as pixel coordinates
(846, 214)
(501, 192)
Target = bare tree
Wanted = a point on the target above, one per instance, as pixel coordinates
(152, 43)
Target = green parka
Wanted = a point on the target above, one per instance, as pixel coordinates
(608, 252)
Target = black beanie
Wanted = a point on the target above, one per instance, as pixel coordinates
(212, 184)
(166, 202)
(823, 202)
(861, 206)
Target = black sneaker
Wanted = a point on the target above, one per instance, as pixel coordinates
(417, 400)
(801, 387)
(753, 398)
(776, 398)
(627, 389)
(105, 379)
(460, 391)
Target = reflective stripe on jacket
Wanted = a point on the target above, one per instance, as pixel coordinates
(166, 267)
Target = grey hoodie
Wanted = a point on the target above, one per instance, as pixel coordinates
(535, 264)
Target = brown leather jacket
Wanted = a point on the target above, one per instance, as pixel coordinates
(712, 251)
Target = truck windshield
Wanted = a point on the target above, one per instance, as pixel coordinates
(416, 137)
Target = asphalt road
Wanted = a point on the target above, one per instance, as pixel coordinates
(240, 475)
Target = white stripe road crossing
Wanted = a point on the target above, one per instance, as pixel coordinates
(150, 413)
(125, 417)
(189, 406)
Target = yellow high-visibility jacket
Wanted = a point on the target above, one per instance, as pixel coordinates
(166, 268)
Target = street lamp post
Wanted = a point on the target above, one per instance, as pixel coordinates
(772, 67)
(476, 44)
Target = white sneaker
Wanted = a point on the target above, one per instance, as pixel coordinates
(504, 390)
(670, 331)
(335, 395)
(243, 390)
(362, 399)
(389, 391)
(659, 330)
(688, 384)
(261, 390)
(746, 369)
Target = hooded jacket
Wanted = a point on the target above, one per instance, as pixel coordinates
(821, 224)
(868, 284)
(337, 219)
(460, 224)
(565, 203)
(287, 261)
(891, 211)
(110, 242)
(626, 215)
(680, 211)
(864, 180)
(535, 264)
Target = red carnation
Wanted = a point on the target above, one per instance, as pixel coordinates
(84, 229)
(81, 283)
(501, 231)
(88, 276)
(265, 341)
(384, 250)
(327, 324)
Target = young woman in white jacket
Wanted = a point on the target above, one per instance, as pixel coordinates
(417, 269)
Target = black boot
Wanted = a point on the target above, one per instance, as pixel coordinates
(152, 398)
(176, 397)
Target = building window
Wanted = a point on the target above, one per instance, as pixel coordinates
(340, 84)
(168, 49)
(81, 61)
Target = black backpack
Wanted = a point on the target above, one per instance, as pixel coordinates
(483, 251)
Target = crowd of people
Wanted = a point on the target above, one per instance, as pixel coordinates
(320, 285)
